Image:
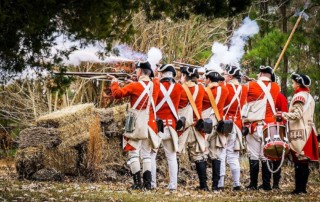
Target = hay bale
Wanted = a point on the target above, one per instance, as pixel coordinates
(64, 160)
(36, 136)
(112, 119)
(65, 116)
(76, 128)
(29, 161)
(68, 141)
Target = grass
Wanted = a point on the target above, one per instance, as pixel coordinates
(12, 189)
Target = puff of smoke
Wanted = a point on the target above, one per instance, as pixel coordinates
(223, 55)
(125, 51)
(154, 57)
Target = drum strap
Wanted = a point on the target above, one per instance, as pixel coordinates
(167, 99)
(192, 98)
(266, 90)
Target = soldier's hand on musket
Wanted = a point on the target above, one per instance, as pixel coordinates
(128, 81)
(113, 78)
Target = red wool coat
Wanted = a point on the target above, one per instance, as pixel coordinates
(165, 113)
(235, 108)
(222, 100)
(256, 93)
(133, 91)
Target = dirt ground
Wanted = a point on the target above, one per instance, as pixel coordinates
(73, 189)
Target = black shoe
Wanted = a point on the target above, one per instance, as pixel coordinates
(220, 188)
(202, 188)
(252, 187)
(296, 192)
(135, 187)
(276, 186)
(237, 188)
(267, 188)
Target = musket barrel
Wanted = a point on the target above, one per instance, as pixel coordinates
(90, 74)
(185, 64)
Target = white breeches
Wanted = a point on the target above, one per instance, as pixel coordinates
(255, 144)
(171, 157)
(232, 158)
(143, 151)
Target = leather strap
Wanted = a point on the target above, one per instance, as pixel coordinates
(235, 97)
(146, 91)
(213, 104)
(191, 101)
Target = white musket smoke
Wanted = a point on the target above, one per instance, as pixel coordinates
(125, 51)
(154, 57)
(232, 56)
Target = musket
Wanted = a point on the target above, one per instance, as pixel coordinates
(185, 64)
(95, 75)
(301, 14)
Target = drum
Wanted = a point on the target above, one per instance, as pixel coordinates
(275, 139)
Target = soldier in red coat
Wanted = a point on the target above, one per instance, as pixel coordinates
(257, 114)
(216, 141)
(302, 133)
(167, 111)
(139, 141)
(281, 106)
(190, 138)
(232, 110)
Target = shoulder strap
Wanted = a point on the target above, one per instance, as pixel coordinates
(146, 91)
(237, 92)
(167, 99)
(218, 96)
(213, 103)
(190, 98)
(266, 91)
(151, 101)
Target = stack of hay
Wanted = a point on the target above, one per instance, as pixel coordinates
(113, 120)
(68, 141)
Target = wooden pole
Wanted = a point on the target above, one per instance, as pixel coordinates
(287, 43)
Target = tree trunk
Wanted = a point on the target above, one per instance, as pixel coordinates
(264, 24)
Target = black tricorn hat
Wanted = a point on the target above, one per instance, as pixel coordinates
(144, 65)
(213, 75)
(269, 70)
(301, 79)
(233, 70)
(190, 71)
(167, 68)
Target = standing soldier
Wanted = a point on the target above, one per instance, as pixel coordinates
(190, 106)
(232, 111)
(281, 106)
(257, 113)
(167, 111)
(216, 141)
(302, 134)
(139, 141)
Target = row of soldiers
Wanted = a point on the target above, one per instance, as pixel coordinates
(178, 115)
